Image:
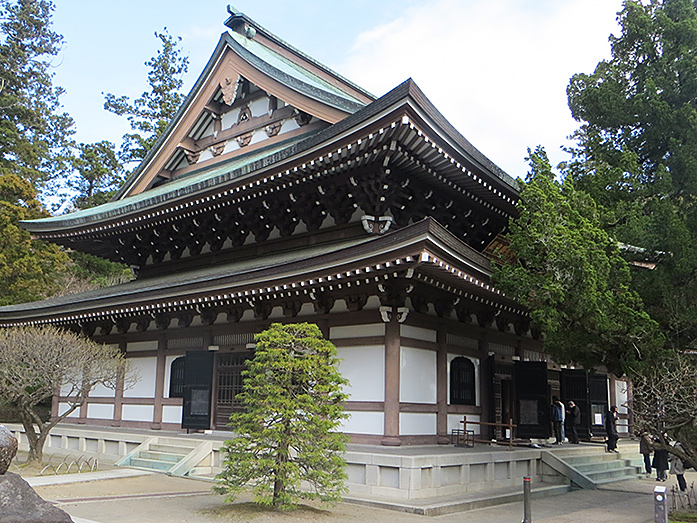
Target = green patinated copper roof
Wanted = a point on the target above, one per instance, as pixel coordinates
(181, 186)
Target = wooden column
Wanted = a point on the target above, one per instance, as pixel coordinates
(392, 371)
(442, 389)
(485, 385)
(160, 381)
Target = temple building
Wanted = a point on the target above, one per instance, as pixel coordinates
(283, 192)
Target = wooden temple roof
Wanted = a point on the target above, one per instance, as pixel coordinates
(424, 253)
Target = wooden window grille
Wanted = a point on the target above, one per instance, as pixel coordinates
(462, 389)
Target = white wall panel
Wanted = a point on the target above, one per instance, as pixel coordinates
(138, 413)
(372, 423)
(100, 391)
(364, 367)
(477, 369)
(356, 331)
(419, 333)
(137, 346)
(100, 411)
(417, 423)
(145, 387)
(417, 382)
(62, 407)
(171, 414)
(455, 419)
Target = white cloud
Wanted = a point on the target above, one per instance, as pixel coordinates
(497, 70)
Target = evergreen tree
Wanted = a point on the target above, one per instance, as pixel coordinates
(98, 174)
(636, 153)
(34, 133)
(569, 272)
(150, 114)
(286, 435)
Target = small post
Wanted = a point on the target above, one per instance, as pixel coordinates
(527, 509)
(660, 505)
(510, 433)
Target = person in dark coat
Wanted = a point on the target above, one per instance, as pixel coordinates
(573, 420)
(660, 463)
(557, 417)
(645, 449)
(611, 430)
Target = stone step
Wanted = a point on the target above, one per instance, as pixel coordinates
(616, 474)
(436, 506)
(150, 464)
(170, 449)
(161, 456)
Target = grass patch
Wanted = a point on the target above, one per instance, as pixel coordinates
(683, 517)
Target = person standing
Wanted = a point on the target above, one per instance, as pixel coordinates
(677, 467)
(557, 417)
(611, 429)
(645, 449)
(573, 420)
(660, 463)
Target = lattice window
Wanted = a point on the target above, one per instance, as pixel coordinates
(185, 343)
(230, 367)
(461, 341)
(504, 350)
(462, 390)
(227, 340)
(176, 378)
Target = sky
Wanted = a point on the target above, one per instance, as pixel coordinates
(496, 69)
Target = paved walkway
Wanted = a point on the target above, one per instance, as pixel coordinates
(154, 498)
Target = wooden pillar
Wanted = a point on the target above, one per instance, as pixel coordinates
(118, 393)
(392, 371)
(160, 381)
(442, 389)
(485, 385)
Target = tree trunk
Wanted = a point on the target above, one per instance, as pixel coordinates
(36, 441)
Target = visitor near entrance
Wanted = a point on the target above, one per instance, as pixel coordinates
(573, 420)
(557, 417)
(645, 449)
(611, 429)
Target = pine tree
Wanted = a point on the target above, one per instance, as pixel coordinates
(98, 174)
(286, 435)
(150, 114)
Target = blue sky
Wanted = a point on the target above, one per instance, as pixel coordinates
(497, 69)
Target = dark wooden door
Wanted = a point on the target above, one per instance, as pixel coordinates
(229, 384)
(532, 404)
(599, 403)
(198, 381)
(574, 387)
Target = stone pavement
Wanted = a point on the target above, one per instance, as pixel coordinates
(153, 498)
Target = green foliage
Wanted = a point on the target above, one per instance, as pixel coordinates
(293, 403)
(570, 274)
(98, 174)
(34, 134)
(150, 114)
(637, 154)
(29, 269)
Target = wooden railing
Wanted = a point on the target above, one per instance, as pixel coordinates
(510, 426)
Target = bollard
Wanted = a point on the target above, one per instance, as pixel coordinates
(527, 511)
(660, 505)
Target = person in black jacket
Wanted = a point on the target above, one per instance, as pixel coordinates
(573, 420)
(611, 430)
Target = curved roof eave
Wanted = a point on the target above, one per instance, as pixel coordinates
(407, 93)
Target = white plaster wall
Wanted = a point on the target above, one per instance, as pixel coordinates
(100, 391)
(260, 106)
(168, 373)
(137, 346)
(100, 411)
(364, 423)
(417, 423)
(171, 414)
(364, 367)
(138, 413)
(455, 419)
(477, 369)
(259, 136)
(145, 387)
(419, 333)
(621, 396)
(289, 125)
(356, 331)
(206, 154)
(417, 383)
(230, 118)
(62, 407)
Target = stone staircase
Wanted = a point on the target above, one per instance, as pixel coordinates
(591, 469)
(173, 456)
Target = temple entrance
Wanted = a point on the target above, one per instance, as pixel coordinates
(229, 369)
(198, 382)
(589, 392)
(532, 402)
